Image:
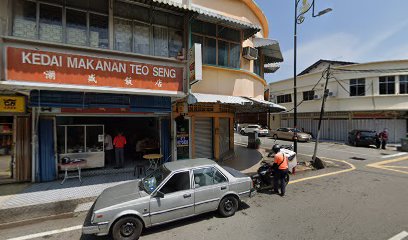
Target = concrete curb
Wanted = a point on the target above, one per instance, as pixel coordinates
(18, 216)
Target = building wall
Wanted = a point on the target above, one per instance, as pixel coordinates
(344, 112)
(238, 9)
(227, 81)
(224, 81)
(342, 101)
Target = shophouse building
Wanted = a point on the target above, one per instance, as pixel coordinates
(369, 96)
(75, 71)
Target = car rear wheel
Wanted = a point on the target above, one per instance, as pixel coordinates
(228, 206)
(127, 228)
(242, 132)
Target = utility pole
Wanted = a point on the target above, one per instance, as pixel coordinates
(317, 162)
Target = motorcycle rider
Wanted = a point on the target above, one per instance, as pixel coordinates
(280, 167)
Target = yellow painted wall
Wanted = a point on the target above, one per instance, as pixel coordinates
(244, 10)
(222, 81)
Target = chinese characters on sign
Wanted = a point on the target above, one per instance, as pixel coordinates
(60, 68)
(12, 104)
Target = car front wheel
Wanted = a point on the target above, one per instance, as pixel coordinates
(242, 132)
(228, 206)
(127, 228)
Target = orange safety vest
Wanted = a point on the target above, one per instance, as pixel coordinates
(281, 159)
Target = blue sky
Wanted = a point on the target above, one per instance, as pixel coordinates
(356, 31)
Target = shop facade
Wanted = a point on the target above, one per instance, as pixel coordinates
(90, 70)
(15, 139)
(86, 71)
(232, 80)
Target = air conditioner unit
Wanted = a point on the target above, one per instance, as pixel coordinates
(316, 97)
(250, 53)
(332, 94)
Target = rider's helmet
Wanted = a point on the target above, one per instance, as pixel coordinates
(276, 148)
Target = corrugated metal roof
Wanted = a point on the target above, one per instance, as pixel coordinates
(242, 104)
(268, 104)
(214, 98)
(209, 15)
(271, 67)
(270, 49)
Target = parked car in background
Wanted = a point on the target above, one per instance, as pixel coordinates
(254, 128)
(288, 134)
(365, 138)
(174, 191)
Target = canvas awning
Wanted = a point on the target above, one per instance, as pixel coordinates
(270, 49)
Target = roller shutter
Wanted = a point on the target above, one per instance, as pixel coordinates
(203, 138)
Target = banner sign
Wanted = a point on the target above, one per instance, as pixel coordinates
(12, 104)
(60, 68)
(195, 64)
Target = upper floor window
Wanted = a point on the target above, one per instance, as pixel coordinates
(257, 66)
(357, 87)
(308, 95)
(403, 81)
(284, 98)
(221, 45)
(140, 30)
(387, 85)
(77, 22)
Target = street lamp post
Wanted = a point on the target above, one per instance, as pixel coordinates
(299, 18)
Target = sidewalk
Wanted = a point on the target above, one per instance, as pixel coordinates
(52, 200)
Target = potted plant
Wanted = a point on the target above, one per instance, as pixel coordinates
(257, 143)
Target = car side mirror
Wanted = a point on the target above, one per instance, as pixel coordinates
(159, 194)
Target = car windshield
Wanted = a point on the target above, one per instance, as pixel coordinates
(368, 134)
(294, 130)
(153, 180)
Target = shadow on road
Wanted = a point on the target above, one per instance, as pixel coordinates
(172, 225)
(244, 158)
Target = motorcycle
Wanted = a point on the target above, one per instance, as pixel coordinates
(264, 177)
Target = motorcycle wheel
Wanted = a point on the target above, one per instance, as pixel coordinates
(257, 183)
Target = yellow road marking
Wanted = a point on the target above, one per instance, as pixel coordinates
(381, 165)
(352, 167)
(392, 166)
(387, 161)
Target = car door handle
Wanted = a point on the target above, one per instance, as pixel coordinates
(223, 188)
(187, 195)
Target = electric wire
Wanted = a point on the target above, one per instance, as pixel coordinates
(334, 70)
(317, 83)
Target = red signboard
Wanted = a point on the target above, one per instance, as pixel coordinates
(60, 68)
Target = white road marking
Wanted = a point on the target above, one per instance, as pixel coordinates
(324, 149)
(400, 236)
(395, 155)
(43, 234)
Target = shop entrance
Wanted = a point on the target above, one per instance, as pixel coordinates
(91, 138)
(6, 149)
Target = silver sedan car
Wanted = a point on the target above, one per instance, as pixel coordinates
(174, 191)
